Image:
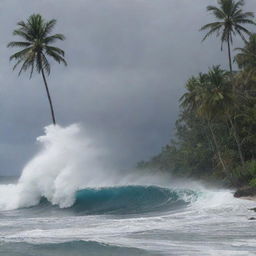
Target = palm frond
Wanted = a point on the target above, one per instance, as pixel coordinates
(243, 29)
(23, 34)
(17, 64)
(21, 54)
(25, 66)
(57, 57)
(211, 25)
(55, 49)
(243, 15)
(240, 34)
(49, 27)
(237, 7)
(18, 44)
(216, 29)
(216, 11)
(54, 38)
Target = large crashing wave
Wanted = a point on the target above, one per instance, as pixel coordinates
(68, 170)
(68, 161)
(130, 199)
(126, 200)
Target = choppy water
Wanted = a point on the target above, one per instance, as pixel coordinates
(132, 220)
(66, 204)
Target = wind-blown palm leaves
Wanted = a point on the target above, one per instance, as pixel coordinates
(230, 20)
(202, 98)
(36, 47)
(208, 94)
(246, 59)
(211, 97)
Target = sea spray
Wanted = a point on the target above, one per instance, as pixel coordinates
(66, 161)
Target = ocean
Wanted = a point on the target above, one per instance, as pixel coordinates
(66, 203)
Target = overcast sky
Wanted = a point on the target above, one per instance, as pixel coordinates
(128, 63)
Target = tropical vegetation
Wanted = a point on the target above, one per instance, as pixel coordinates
(216, 129)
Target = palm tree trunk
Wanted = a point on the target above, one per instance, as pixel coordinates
(229, 56)
(49, 97)
(239, 148)
(218, 149)
(209, 140)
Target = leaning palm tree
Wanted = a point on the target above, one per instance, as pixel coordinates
(230, 20)
(36, 47)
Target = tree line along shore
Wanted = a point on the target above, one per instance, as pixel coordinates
(215, 134)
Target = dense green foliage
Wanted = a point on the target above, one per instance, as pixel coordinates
(36, 46)
(216, 128)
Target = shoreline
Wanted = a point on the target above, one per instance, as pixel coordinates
(250, 198)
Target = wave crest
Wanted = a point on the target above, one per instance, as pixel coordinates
(130, 199)
(124, 200)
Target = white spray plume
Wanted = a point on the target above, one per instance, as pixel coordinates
(66, 162)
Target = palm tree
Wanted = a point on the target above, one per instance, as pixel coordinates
(230, 20)
(191, 100)
(246, 59)
(220, 102)
(198, 99)
(36, 47)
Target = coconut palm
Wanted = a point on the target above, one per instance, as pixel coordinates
(191, 100)
(198, 99)
(230, 20)
(246, 58)
(220, 103)
(36, 46)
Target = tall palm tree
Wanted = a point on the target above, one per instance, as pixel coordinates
(36, 47)
(230, 20)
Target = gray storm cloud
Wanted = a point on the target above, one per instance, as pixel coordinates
(128, 62)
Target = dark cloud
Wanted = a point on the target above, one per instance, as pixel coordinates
(128, 62)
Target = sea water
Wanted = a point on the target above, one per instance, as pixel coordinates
(68, 202)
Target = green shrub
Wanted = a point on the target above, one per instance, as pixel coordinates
(243, 175)
(251, 168)
(253, 182)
